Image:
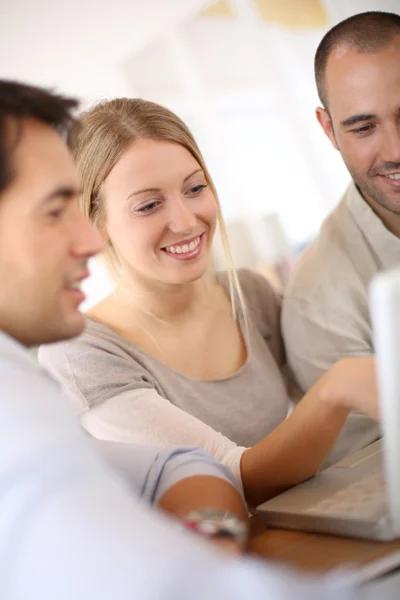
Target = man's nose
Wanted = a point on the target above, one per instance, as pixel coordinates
(390, 150)
(87, 239)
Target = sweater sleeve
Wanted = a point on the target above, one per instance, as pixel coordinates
(152, 470)
(92, 369)
(119, 401)
(141, 416)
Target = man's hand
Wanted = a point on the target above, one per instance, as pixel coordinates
(226, 545)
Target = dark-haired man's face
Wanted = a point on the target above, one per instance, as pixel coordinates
(45, 242)
(363, 91)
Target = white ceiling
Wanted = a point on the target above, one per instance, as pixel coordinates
(80, 45)
(222, 54)
(84, 47)
(92, 49)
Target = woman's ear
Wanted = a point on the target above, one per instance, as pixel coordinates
(101, 226)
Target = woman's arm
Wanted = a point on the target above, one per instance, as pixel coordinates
(202, 491)
(155, 471)
(293, 452)
(179, 480)
(142, 416)
(201, 494)
(296, 449)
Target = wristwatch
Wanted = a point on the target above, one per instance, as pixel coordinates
(214, 523)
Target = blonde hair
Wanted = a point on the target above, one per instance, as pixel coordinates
(99, 139)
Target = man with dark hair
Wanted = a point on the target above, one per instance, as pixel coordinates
(367, 32)
(40, 267)
(72, 520)
(325, 311)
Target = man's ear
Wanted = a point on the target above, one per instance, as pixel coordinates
(326, 123)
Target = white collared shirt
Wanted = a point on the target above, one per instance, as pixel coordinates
(71, 528)
(325, 315)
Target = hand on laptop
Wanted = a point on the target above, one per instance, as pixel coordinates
(353, 381)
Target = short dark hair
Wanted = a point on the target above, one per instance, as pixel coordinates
(367, 32)
(19, 101)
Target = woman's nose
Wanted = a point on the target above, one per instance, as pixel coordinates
(181, 218)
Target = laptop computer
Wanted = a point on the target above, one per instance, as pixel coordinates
(360, 495)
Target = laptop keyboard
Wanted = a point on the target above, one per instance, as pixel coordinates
(361, 499)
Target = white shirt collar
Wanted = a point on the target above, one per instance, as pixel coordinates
(13, 351)
(384, 243)
(10, 348)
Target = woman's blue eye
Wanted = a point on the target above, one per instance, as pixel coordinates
(148, 207)
(197, 188)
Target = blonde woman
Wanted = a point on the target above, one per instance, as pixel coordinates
(179, 354)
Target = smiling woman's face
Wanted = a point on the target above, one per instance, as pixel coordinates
(160, 213)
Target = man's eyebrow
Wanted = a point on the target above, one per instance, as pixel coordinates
(199, 170)
(65, 191)
(354, 119)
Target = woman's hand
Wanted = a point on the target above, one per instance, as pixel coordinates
(352, 383)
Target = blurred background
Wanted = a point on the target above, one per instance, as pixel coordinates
(239, 72)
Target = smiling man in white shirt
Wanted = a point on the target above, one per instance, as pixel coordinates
(325, 314)
(73, 516)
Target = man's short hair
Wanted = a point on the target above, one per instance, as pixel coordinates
(366, 32)
(19, 101)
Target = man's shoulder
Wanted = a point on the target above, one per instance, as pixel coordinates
(327, 258)
(15, 360)
(21, 373)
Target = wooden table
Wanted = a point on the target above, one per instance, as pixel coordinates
(313, 552)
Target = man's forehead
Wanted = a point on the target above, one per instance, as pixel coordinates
(359, 80)
(346, 53)
(42, 156)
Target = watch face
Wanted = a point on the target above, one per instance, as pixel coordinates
(217, 523)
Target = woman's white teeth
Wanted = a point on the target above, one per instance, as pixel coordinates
(185, 248)
(394, 176)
